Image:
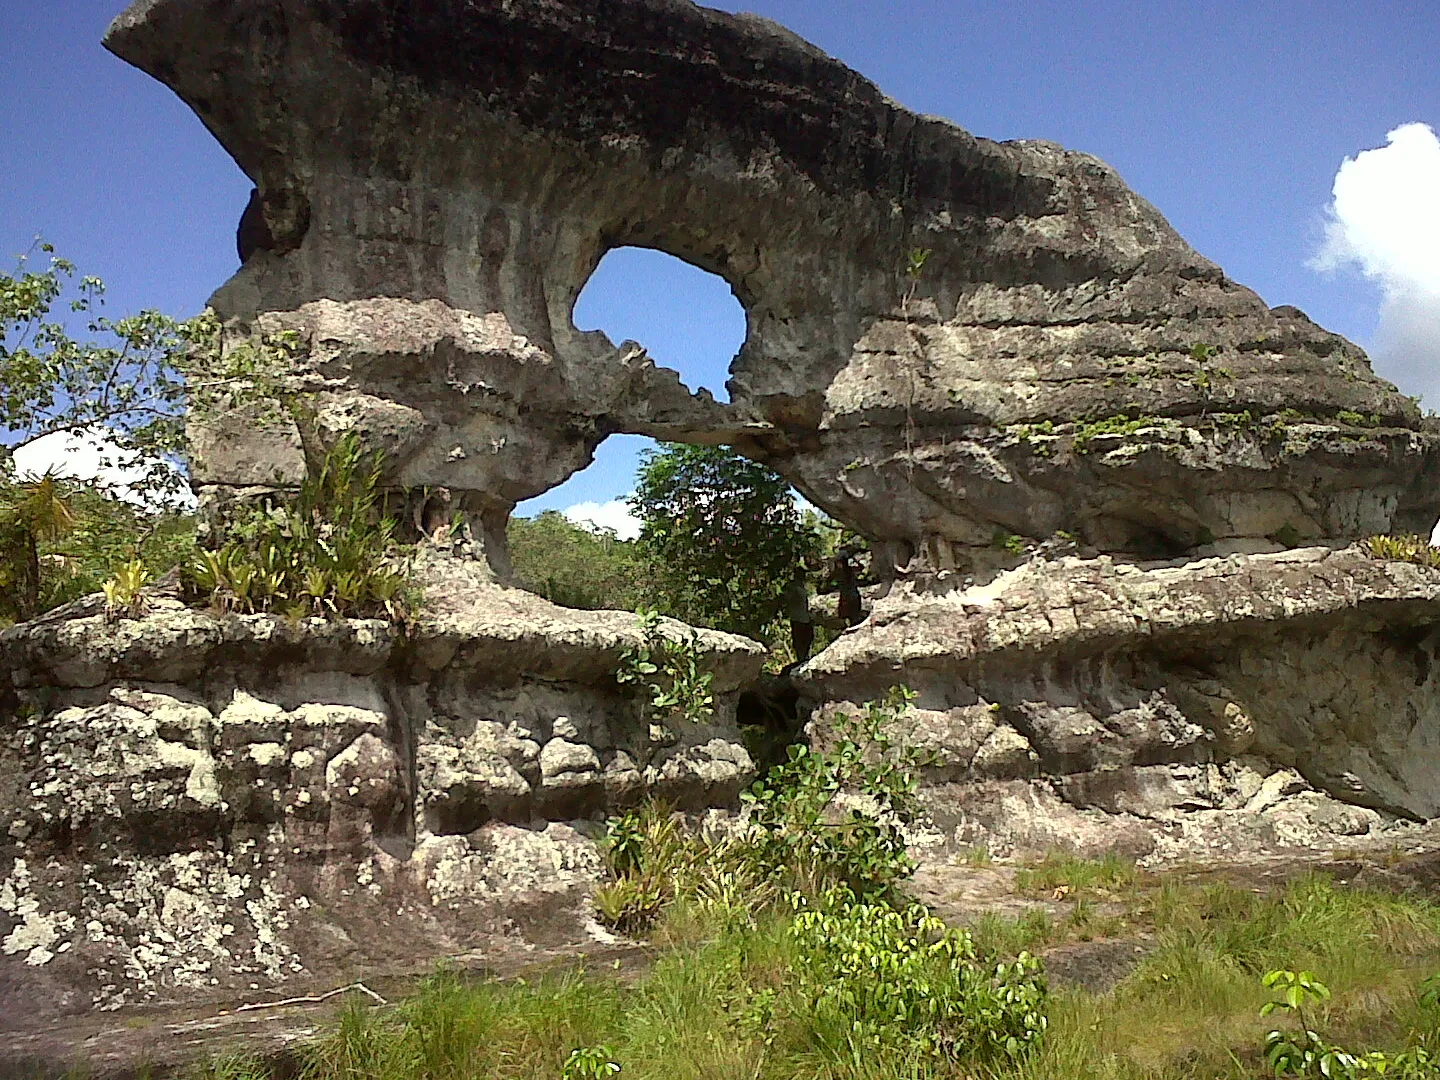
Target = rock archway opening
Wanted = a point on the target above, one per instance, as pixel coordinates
(687, 319)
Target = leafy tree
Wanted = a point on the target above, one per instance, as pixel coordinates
(132, 385)
(574, 566)
(60, 540)
(29, 514)
(721, 537)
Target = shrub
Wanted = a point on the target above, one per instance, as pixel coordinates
(901, 981)
(835, 815)
(123, 590)
(669, 673)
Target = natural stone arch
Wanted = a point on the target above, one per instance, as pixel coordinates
(689, 319)
(398, 164)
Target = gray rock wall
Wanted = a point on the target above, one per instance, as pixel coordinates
(195, 804)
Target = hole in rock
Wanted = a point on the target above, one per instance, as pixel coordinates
(689, 321)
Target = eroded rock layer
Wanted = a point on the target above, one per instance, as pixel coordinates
(1059, 360)
(1219, 706)
(195, 804)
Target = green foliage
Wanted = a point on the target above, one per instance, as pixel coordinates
(648, 854)
(630, 904)
(915, 260)
(1307, 1054)
(731, 986)
(721, 538)
(133, 385)
(80, 534)
(826, 818)
(574, 566)
(123, 590)
(1357, 419)
(1011, 543)
(1121, 425)
(1406, 547)
(669, 673)
(801, 824)
(1110, 873)
(590, 1063)
(29, 514)
(329, 551)
(901, 981)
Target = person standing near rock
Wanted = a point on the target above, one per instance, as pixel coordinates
(797, 610)
(847, 583)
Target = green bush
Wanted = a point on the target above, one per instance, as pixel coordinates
(898, 980)
(668, 672)
(835, 815)
(61, 540)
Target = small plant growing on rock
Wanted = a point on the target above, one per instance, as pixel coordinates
(124, 591)
(670, 673)
(329, 551)
(1406, 547)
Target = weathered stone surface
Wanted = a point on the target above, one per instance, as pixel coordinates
(436, 182)
(193, 804)
(1285, 686)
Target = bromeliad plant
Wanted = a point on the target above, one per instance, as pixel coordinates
(331, 551)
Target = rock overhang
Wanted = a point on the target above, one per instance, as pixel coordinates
(492, 175)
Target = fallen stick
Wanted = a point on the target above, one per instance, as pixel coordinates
(314, 999)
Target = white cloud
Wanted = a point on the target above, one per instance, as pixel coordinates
(615, 514)
(85, 456)
(1385, 220)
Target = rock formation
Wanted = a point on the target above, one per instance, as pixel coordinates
(977, 354)
(1222, 706)
(949, 338)
(195, 803)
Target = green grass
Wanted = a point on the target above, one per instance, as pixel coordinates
(1189, 1010)
(1076, 877)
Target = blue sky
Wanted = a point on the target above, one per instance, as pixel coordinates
(1232, 118)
